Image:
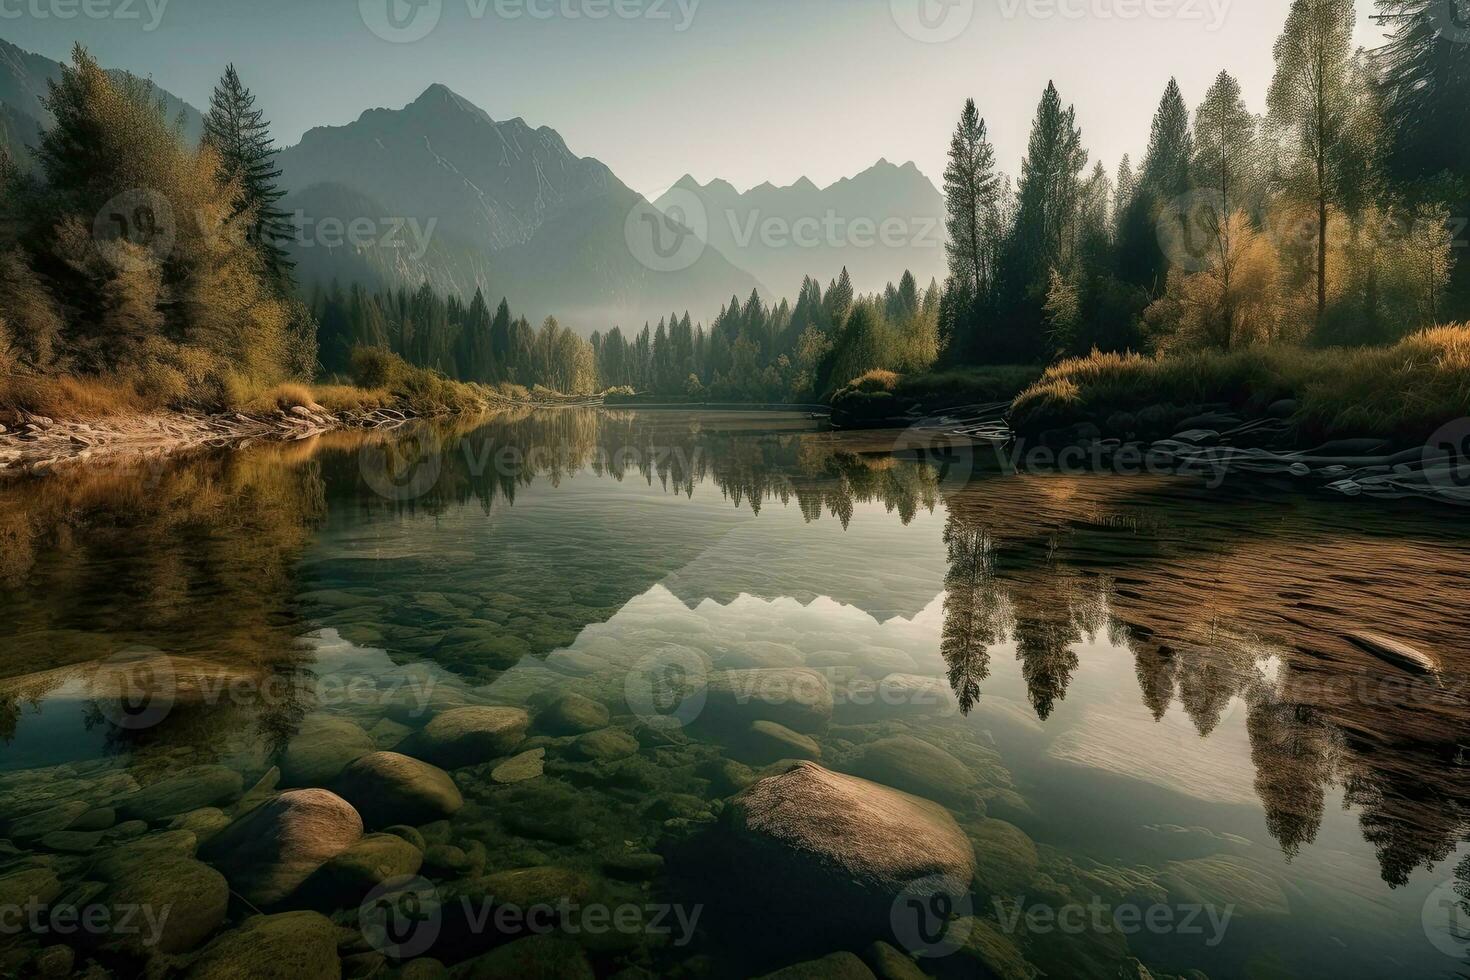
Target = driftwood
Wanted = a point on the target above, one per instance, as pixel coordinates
(37, 443)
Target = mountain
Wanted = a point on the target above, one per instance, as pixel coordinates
(24, 79)
(511, 209)
(879, 223)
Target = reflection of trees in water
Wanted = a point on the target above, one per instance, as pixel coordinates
(1392, 746)
(192, 558)
(973, 611)
(489, 461)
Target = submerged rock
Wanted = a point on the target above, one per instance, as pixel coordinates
(607, 745)
(388, 788)
(191, 789)
(322, 749)
(532, 958)
(195, 896)
(798, 698)
(842, 849)
(288, 946)
(888, 963)
(572, 714)
(767, 741)
(527, 765)
(468, 736)
(1396, 653)
(915, 766)
(346, 877)
(270, 851)
(837, 966)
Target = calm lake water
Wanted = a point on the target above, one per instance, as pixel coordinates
(1140, 700)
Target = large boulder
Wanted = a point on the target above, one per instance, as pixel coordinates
(837, 851)
(796, 697)
(532, 958)
(322, 749)
(468, 736)
(837, 966)
(273, 947)
(271, 850)
(196, 787)
(389, 788)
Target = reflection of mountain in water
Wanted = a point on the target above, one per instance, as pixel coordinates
(1223, 600)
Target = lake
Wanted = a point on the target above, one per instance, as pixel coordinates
(1167, 718)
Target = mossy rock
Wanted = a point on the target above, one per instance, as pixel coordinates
(987, 952)
(836, 966)
(19, 888)
(767, 742)
(350, 875)
(532, 958)
(200, 786)
(322, 749)
(195, 895)
(288, 946)
(915, 766)
(889, 963)
(572, 714)
(388, 788)
(1005, 857)
(518, 769)
(468, 736)
(607, 745)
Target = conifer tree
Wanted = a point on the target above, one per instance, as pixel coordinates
(239, 133)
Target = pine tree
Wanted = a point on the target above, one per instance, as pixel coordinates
(238, 132)
(1161, 182)
(1425, 88)
(969, 193)
(1311, 96)
(1225, 162)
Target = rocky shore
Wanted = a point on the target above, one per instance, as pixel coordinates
(34, 442)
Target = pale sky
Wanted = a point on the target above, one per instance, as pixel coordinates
(744, 90)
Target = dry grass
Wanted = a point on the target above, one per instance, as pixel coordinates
(1404, 391)
(875, 380)
(70, 397)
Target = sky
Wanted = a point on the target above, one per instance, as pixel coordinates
(744, 90)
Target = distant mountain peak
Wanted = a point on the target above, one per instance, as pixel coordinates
(803, 184)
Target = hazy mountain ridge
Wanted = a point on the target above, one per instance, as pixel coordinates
(781, 234)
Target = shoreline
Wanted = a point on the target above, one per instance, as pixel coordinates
(32, 444)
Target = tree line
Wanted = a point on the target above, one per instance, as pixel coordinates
(1329, 220)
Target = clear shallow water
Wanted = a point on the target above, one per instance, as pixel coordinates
(1146, 691)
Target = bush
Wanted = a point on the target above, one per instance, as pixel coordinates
(1401, 392)
(875, 380)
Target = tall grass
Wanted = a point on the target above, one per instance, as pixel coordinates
(1402, 392)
